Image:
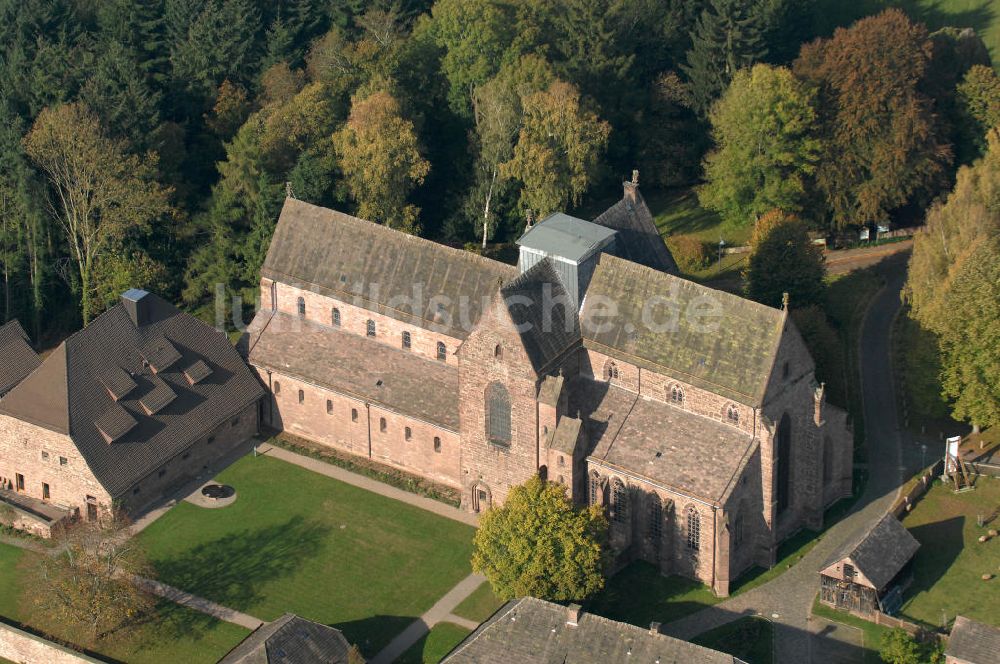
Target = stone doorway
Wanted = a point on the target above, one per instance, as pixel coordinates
(481, 497)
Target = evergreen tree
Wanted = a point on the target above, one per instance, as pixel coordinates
(729, 36)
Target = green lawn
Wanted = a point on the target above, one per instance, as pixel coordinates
(480, 605)
(171, 634)
(639, 595)
(982, 15)
(431, 649)
(297, 541)
(872, 633)
(950, 561)
(750, 639)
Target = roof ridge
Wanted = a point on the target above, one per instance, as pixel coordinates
(528, 275)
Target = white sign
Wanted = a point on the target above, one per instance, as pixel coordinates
(951, 454)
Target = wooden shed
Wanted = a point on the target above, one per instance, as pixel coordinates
(868, 572)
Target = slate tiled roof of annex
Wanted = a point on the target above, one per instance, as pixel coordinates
(878, 550)
(17, 359)
(291, 640)
(68, 394)
(973, 642)
(361, 262)
(546, 331)
(638, 239)
(533, 631)
(668, 445)
(708, 338)
(353, 365)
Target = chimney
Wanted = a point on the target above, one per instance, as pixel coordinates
(654, 628)
(573, 613)
(136, 305)
(631, 187)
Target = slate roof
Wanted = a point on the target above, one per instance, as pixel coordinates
(352, 364)
(973, 642)
(533, 631)
(17, 359)
(566, 435)
(67, 393)
(688, 453)
(638, 238)
(291, 640)
(711, 339)
(571, 238)
(878, 550)
(546, 331)
(375, 267)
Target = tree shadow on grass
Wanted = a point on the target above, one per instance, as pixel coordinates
(370, 635)
(233, 569)
(639, 594)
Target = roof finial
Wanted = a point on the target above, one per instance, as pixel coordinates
(784, 300)
(529, 218)
(288, 190)
(635, 176)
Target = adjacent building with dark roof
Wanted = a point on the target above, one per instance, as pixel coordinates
(126, 410)
(693, 416)
(292, 640)
(17, 359)
(972, 642)
(867, 572)
(533, 631)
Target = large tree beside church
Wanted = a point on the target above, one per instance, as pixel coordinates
(537, 543)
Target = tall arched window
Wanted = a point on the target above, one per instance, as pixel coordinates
(677, 394)
(595, 486)
(619, 497)
(827, 460)
(406, 340)
(738, 526)
(442, 351)
(497, 414)
(370, 328)
(301, 305)
(783, 448)
(610, 370)
(655, 518)
(693, 528)
(335, 317)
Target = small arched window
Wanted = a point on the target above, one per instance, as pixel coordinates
(302, 396)
(406, 340)
(335, 317)
(442, 351)
(594, 487)
(497, 414)
(354, 414)
(655, 518)
(277, 387)
(677, 395)
(619, 497)
(407, 433)
(693, 528)
(329, 406)
(498, 352)
(371, 328)
(301, 305)
(610, 371)
(733, 414)
(562, 461)
(437, 444)
(382, 424)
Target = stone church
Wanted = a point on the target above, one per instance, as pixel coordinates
(691, 415)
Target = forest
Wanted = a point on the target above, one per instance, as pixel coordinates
(150, 143)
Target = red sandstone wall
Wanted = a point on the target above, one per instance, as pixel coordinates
(19, 646)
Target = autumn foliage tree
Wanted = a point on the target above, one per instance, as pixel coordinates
(767, 148)
(783, 260)
(878, 125)
(537, 543)
(381, 161)
(558, 149)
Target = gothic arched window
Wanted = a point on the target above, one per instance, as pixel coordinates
(595, 486)
(655, 518)
(783, 448)
(619, 497)
(301, 306)
(677, 394)
(733, 414)
(497, 414)
(610, 370)
(335, 317)
(442, 351)
(693, 528)
(371, 328)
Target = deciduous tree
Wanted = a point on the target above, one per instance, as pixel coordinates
(979, 102)
(537, 543)
(381, 160)
(558, 149)
(100, 194)
(767, 148)
(783, 260)
(877, 124)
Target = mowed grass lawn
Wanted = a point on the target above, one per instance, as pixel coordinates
(170, 634)
(437, 643)
(951, 560)
(296, 541)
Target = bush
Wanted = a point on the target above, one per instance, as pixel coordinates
(690, 252)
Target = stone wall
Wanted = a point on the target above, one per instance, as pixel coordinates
(353, 425)
(354, 319)
(23, 647)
